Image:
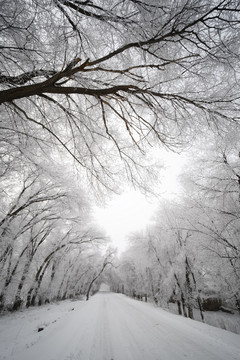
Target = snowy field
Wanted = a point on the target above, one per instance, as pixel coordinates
(111, 327)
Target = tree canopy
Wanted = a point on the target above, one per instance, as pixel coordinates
(104, 80)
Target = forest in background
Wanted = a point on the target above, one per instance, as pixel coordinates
(88, 88)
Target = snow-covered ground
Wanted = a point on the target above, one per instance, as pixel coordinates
(220, 319)
(111, 326)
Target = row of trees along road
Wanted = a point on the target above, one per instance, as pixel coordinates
(190, 255)
(86, 88)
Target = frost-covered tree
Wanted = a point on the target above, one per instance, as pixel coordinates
(86, 88)
(44, 227)
(212, 186)
(177, 260)
(100, 78)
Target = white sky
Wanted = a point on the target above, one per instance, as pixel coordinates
(125, 213)
(131, 211)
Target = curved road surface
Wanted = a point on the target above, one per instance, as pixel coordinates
(115, 327)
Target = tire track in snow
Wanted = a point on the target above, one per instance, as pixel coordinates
(102, 346)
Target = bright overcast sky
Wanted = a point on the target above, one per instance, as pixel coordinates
(131, 211)
(125, 213)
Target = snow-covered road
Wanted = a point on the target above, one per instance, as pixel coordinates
(115, 327)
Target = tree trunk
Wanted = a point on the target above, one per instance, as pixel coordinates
(179, 307)
(184, 305)
(189, 290)
(200, 308)
(18, 301)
